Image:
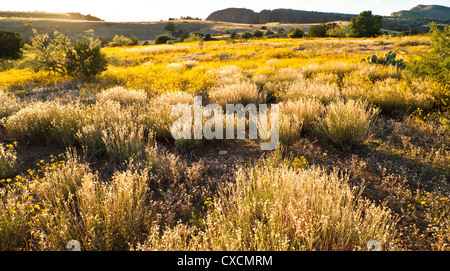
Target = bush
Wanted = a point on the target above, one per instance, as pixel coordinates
(120, 40)
(338, 31)
(246, 35)
(258, 34)
(134, 40)
(435, 64)
(365, 25)
(162, 39)
(10, 45)
(320, 31)
(317, 31)
(297, 33)
(49, 54)
(85, 59)
(194, 37)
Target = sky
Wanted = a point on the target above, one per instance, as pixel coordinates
(151, 10)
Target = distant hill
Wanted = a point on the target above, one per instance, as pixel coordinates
(49, 15)
(425, 11)
(248, 16)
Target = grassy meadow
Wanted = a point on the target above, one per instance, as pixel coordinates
(364, 151)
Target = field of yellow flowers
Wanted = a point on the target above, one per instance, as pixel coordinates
(96, 162)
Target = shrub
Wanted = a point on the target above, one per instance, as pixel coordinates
(297, 33)
(435, 64)
(317, 31)
(194, 37)
(10, 45)
(134, 40)
(162, 39)
(49, 54)
(347, 124)
(85, 59)
(338, 31)
(247, 35)
(258, 34)
(120, 40)
(365, 25)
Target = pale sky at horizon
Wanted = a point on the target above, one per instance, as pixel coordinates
(141, 10)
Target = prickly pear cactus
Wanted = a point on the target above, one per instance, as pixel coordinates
(387, 59)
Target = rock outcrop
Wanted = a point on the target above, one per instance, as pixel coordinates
(240, 15)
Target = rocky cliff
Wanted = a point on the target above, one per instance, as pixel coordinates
(240, 15)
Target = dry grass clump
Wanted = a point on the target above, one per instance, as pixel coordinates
(181, 187)
(125, 141)
(75, 205)
(280, 208)
(8, 160)
(296, 116)
(395, 96)
(95, 120)
(324, 92)
(45, 122)
(347, 124)
(241, 92)
(157, 115)
(8, 105)
(123, 96)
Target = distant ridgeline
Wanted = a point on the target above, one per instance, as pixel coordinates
(248, 16)
(49, 15)
(425, 11)
(415, 20)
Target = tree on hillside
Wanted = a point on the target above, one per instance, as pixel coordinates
(366, 25)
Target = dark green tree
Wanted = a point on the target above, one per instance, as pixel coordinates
(10, 45)
(258, 34)
(247, 35)
(366, 25)
(297, 33)
(85, 59)
(162, 39)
